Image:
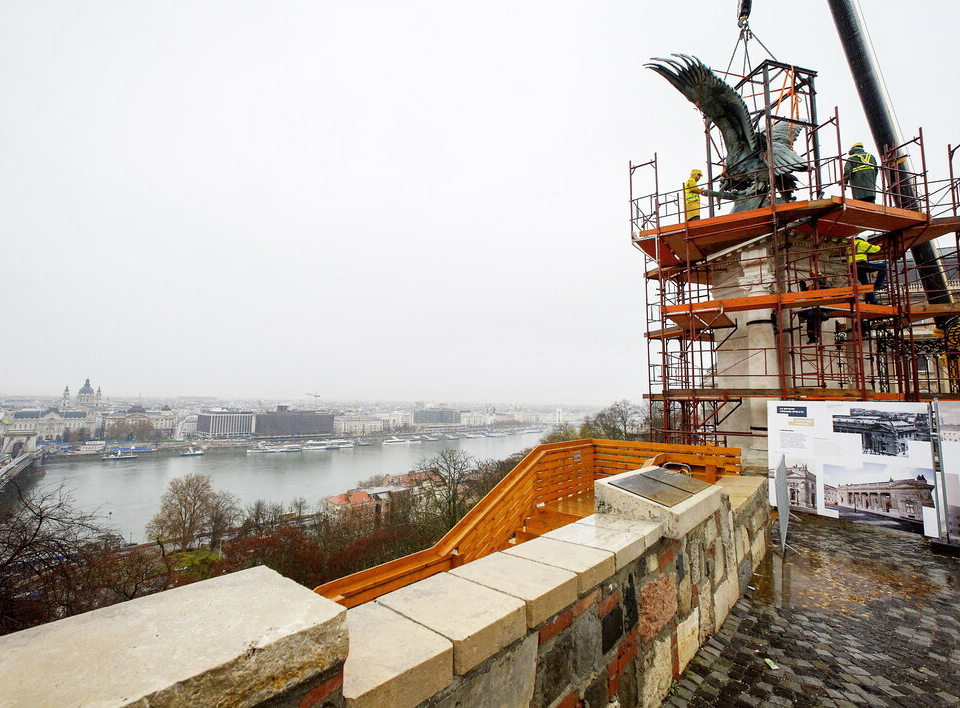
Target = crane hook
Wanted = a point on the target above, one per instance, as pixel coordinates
(743, 14)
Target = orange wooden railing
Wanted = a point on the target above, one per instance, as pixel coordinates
(548, 474)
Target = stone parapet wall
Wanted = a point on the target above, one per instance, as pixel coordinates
(608, 607)
(252, 638)
(605, 608)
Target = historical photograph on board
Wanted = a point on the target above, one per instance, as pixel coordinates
(801, 485)
(879, 494)
(884, 432)
(949, 427)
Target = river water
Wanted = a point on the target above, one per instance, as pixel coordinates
(127, 493)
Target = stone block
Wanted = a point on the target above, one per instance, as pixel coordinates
(507, 682)
(592, 565)
(478, 620)
(744, 573)
(554, 671)
(393, 660)
(719, 563)
(688, 638)
(724, 598)
(545, 589)
(625, 546)
(612, 629)
(658, 605)
(696, 561)
(239, 639)
(653, 562)
(759, 518)
(631, 604)
(743, 543)
(685, 595)
(649, 530)
(656, 673)
(677, 521)
(743, 490)
(710, 533)
(758, 549)
(708, 617)
(588, 633)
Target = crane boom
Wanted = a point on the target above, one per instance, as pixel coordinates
(876, 106)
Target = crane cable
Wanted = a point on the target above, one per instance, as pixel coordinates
(746, 34)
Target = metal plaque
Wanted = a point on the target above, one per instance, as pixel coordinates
(677, 479)
(653, 489)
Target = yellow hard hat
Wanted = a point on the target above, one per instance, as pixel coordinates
(696, 173)
(857, 145)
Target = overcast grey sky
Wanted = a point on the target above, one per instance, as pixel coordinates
(373, 200)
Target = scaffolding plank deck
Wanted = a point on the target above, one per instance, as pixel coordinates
(922, 311)
(700, 335)
(672, 244)
(704, 311)
(927, 232)
(728, 394)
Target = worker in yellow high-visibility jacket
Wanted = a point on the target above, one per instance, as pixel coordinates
(860, 173)
(861, 250)
(691, 195)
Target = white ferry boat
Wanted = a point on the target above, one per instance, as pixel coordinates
(191, 452)
(400, 441)
(117, 455)
(262, 448)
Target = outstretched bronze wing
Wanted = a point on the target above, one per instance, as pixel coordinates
(717, 100)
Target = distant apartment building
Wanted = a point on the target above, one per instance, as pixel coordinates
(369, 505)
(79, 416)
(284, 421)
(357, 425)
(436, 416)
(51, 424)
(528, 416)
(474, 420)
(225, 424)
(163, 420)
(186, 427)
(395, 420)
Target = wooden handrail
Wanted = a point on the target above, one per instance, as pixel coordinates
(547, 474)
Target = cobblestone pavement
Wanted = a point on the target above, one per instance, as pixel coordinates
(861, 616)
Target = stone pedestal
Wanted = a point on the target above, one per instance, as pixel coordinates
(749, 359)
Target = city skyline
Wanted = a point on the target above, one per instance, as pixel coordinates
(370, 201)
(308, 400)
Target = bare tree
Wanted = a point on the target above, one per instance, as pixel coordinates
(223, 515)
(562, 433)
(443, 489)
(262, 516)
(488, 474)
(618, 421)
(299, 507)
(42, 542)
(184, 511)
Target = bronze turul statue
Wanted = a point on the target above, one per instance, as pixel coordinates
(746, 172)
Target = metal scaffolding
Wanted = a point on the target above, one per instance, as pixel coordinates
(767, 303)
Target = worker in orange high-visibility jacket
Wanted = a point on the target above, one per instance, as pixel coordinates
(691, 195)
(861, 250)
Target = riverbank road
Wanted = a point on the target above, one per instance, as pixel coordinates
(860, 616)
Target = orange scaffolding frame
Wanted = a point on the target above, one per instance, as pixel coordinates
(828, 342)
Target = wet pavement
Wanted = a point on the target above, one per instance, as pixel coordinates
(860, 616)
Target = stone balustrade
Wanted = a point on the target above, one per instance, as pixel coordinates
(608, 607)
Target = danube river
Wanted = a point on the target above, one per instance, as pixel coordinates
(127, 493)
